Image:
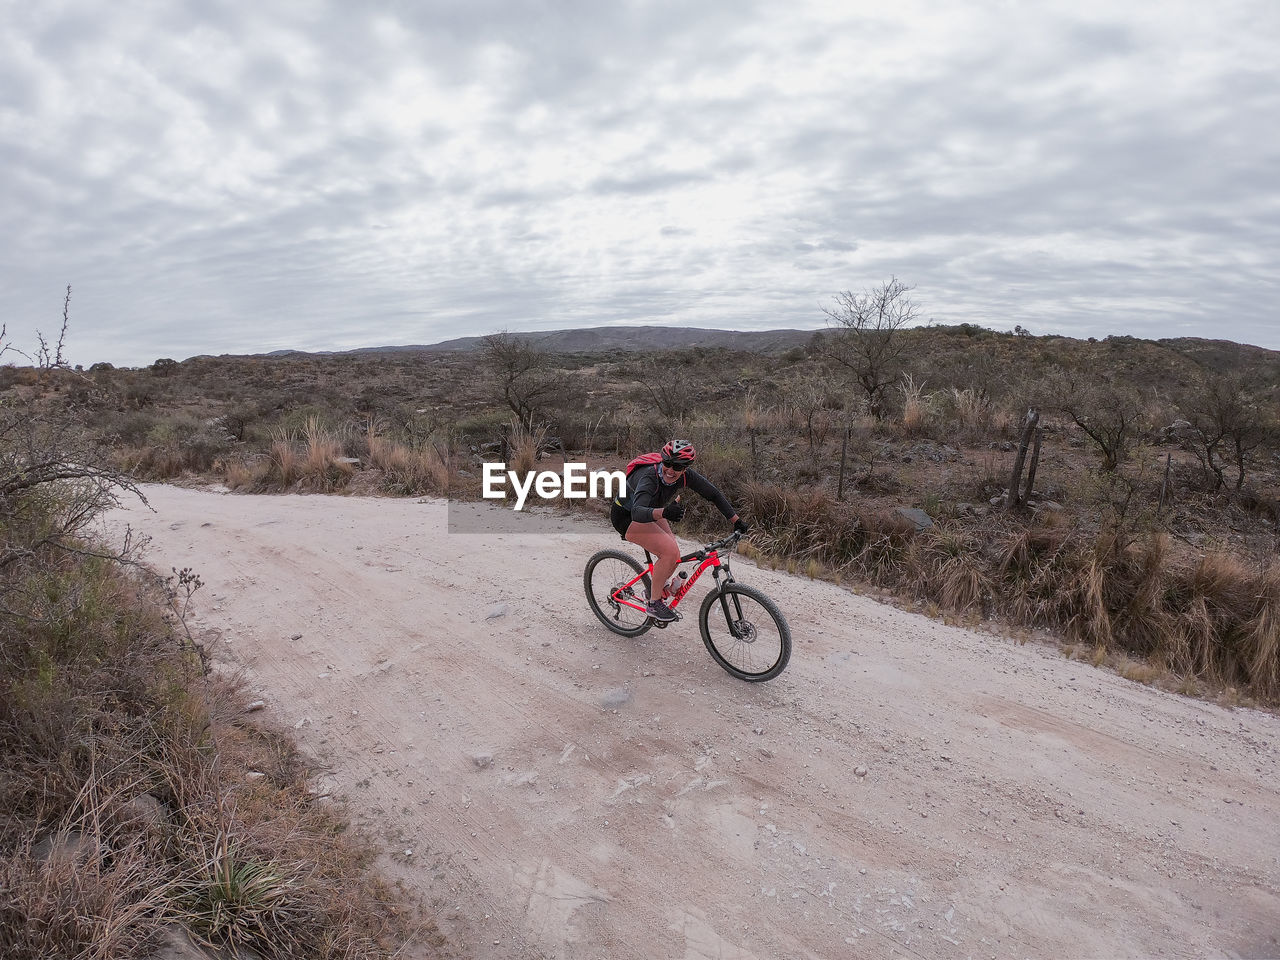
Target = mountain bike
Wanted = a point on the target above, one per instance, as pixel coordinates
(742, 628)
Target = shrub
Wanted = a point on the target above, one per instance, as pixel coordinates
(916, 407)
(411, 471)
(324, 467)
(284, 464)
(1215, 619)
(104, 704)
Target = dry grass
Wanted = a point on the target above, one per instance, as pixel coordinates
(314, 461)
(123, 777)
(1260, 635)
(98, 905)
(284, 464)
(162, 462)
(324, 467)
(1215, 620)
(524, 446)
(916, 408)
(239, 475)
(410, 471)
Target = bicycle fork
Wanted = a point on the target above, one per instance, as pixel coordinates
(733, 617)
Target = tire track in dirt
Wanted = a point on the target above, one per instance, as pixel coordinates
(567, 793)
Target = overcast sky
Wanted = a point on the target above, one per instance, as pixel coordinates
(216, 177)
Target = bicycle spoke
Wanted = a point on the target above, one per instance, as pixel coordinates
(616, 592)
(745, 634)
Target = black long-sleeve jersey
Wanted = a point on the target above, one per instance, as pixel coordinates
(646, 492)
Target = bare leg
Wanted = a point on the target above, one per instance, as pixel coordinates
(662, 544)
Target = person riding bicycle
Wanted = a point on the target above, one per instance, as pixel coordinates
(650, 503)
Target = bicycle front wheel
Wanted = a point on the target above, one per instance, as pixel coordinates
(605, 579)
(745, 633)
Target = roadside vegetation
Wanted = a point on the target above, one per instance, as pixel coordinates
(142, 803)
(1142, 529)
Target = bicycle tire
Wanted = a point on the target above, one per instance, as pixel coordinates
(739, 648)
(609, 614)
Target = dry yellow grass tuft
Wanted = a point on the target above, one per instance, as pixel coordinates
(916, 408)
(410, 471)
(524, 445)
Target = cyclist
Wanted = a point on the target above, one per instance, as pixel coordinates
(650, 503)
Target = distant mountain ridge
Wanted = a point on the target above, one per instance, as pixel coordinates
(606, 339)
(1223, 356)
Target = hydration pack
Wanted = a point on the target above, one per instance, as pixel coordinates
(645, 459)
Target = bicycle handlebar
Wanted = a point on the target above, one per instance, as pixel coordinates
(728, 541)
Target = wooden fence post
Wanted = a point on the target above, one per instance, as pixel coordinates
(1011, 498)
(1035, 462)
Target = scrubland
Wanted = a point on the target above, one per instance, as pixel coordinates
(1147, 543)
(1150, 532)
(143, 801)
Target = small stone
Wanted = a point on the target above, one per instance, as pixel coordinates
(482, 760)
(496, 611)
(144, 807)
(860, 771)
(254, 705)
(613, 699)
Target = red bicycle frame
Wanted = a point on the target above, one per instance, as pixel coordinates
(710, 560)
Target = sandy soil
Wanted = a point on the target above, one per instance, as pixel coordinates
(556, 791)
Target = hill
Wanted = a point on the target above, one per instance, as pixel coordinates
(608, 340)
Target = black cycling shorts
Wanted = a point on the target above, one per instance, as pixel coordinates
(620, 517)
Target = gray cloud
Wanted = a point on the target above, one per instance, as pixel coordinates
(233, 178)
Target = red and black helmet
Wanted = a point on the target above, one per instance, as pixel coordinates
(678, 454)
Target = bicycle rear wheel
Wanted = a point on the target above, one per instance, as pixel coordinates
(745, 633)
(604, 579)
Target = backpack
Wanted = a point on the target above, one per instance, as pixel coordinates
(645, 459)
(642, 461)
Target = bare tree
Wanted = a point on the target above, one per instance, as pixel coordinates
(56, 478)
(669, 385)
(525, 380)
(811, 395)
(1112, 415)
(864, 340)
(1226, 424)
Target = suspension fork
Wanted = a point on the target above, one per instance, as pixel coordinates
(729, 603)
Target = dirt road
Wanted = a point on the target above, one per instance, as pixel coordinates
(556, 791)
